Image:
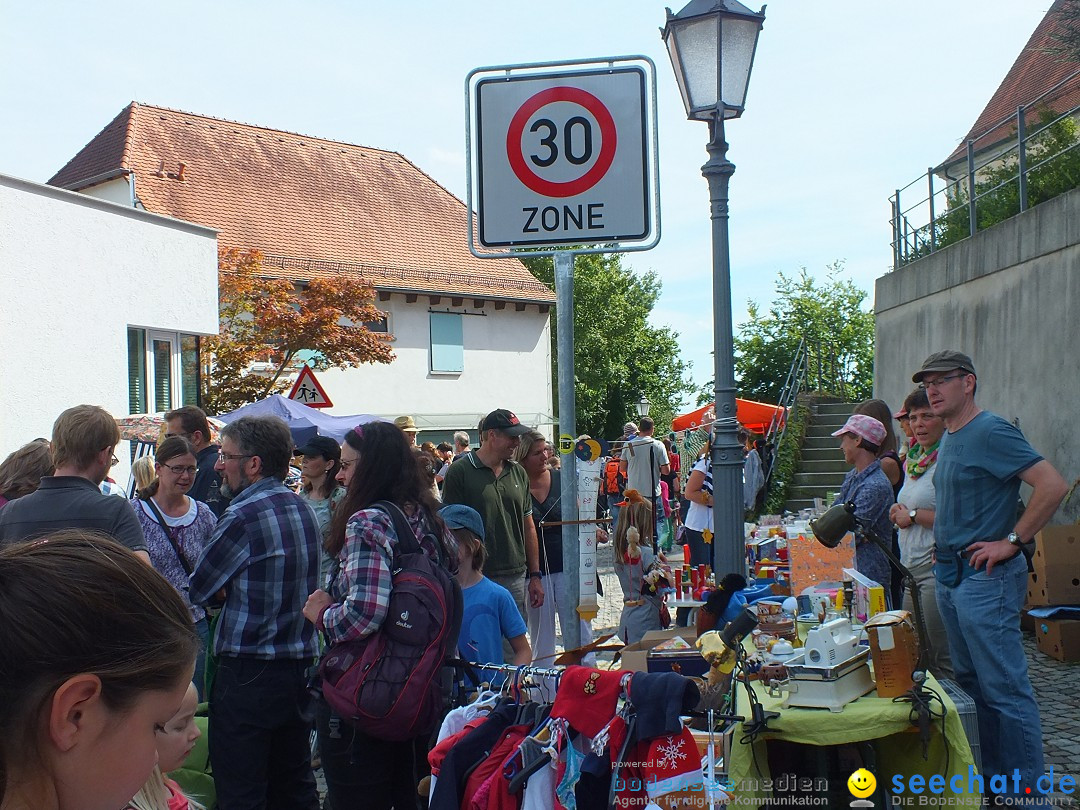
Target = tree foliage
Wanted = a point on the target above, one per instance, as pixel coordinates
(1056, 161)
(618, 354)
(266, 320)
(1067, 31)
(828, 315)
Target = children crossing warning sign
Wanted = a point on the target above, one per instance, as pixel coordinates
(306, 390)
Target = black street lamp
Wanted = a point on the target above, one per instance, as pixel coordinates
(711, 44)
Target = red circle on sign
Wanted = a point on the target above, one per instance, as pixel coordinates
(603, 162)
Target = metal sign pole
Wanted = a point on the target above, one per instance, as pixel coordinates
(564, 324)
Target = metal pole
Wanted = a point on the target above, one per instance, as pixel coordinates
(896, 231)
(933, 237)
(564, 327)
(1021, 136)
(728, 550)
(973, 222)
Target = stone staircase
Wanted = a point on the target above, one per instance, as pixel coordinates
(822, 467)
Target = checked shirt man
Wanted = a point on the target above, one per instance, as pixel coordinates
(260, 565)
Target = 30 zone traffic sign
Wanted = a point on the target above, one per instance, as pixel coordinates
(562, 158)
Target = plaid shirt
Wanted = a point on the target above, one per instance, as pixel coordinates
(361, 586)
(265, 553)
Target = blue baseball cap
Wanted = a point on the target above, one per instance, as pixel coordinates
(460, 516)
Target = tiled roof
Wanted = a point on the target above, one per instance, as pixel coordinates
(1036, 70)
(323, 204)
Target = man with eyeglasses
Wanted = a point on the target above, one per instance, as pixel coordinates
(84, 439)
(190, 422)
(981, 563)
(259, 566)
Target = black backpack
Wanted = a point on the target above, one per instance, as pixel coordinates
(389, 684)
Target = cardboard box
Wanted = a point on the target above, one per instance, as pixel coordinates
(1056, 563)
(1057, 546)
(894, 649)
(1027, 621)
(1059, 585)
(1059, 638)
(634, 657)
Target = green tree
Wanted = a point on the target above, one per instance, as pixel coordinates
(829, 316)
(618, 354)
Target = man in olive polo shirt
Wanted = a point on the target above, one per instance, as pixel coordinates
(498, 488)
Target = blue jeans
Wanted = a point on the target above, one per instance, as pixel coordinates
(982, 620)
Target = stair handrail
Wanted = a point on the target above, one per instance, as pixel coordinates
(789, 393)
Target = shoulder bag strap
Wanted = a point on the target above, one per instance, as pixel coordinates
(406, 538)
(168, 533)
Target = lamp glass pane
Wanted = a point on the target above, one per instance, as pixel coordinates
(697, 41)
(739, 37)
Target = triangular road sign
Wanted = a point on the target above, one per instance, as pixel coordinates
(307, 391)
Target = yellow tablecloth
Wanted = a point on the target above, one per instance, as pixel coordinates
(896, 743)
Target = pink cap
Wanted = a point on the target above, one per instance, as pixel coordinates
(865, 427)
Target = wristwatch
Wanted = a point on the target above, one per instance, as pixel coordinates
(912, 514)
(1014, 538)
(535, 575)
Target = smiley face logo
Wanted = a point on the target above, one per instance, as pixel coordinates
(861, 783)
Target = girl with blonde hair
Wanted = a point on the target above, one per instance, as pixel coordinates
(633, 559)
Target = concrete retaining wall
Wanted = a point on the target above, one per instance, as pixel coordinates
(1008, 298)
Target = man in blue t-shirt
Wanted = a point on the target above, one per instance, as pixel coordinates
(981, 570)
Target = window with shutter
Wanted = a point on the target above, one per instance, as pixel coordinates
(447, 345)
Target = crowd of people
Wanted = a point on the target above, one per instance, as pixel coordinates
(265, 577)
(219, 582)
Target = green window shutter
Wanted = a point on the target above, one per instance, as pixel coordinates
(447, 346)
(189, 367)
(136, 370)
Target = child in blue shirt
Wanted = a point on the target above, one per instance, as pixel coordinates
(490, 614)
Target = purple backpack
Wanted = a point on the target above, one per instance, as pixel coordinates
(388, 684)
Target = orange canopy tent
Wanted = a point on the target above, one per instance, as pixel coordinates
(754, 416)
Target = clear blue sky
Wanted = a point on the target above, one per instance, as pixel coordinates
(849, 100)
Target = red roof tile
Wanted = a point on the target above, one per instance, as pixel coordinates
(314, 203)
(1036, 70)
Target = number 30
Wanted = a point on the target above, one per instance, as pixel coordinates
(568, 144)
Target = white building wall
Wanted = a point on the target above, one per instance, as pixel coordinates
(117, 190)
(507, 365)
(76, 272)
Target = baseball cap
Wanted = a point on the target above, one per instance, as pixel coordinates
(947, 360)
(629, 428)
(504, 420)
(865, 427)
(900, 414)
(460, 516)
(320, 446)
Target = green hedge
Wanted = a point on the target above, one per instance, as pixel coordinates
(786, 458)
